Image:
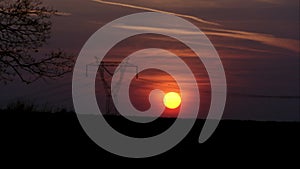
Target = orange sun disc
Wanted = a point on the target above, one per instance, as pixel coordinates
(172, 100)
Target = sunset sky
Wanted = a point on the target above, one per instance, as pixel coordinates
(257, 41)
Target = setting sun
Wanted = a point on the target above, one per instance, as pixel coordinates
(172, 100)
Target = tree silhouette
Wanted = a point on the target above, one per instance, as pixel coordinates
(25, 26)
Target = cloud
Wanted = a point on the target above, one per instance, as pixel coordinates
(276, 2)
(35, 12)
(289, 44)
(156, 10)
(62, 13)
(159, 29)
(266, 39)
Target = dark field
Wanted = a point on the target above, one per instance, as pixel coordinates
(53, 136)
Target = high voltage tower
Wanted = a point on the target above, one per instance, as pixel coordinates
(107, 69)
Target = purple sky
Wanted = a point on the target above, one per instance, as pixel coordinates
(257, 40)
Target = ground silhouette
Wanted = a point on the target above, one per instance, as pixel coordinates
(47, 134)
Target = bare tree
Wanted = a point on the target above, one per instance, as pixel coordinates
(25, 27)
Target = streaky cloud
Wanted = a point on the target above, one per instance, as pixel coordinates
(156, 10)
(62, 13)
(266, 39)
(173, 31)
(34, 12)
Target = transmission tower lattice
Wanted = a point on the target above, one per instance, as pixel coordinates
(105, 69)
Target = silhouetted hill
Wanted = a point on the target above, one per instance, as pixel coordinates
(53, 135)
